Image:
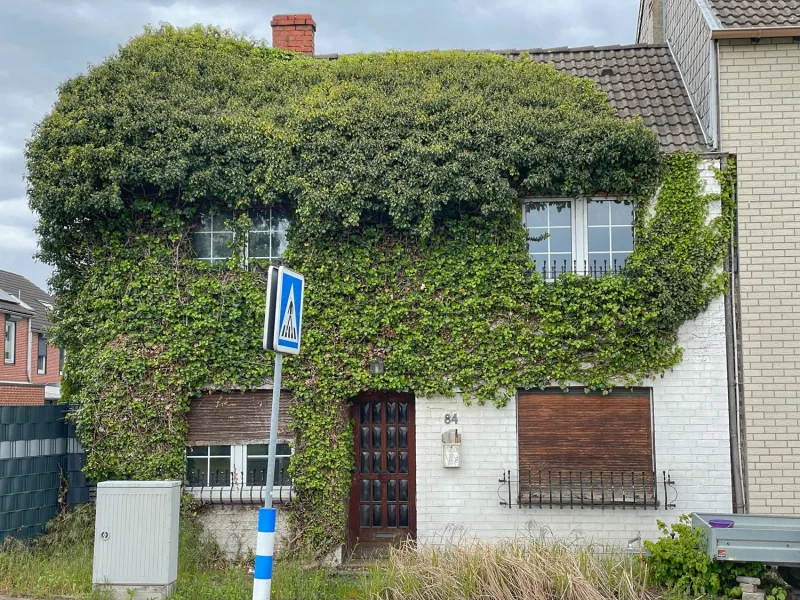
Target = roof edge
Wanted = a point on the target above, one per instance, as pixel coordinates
(755, 32)
(510, 50)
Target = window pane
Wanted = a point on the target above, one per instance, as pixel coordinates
(257, 449)
(259, 245)
(220, 243)
(220, 450)
(219, 220)
(283, 449)
(219, 473)
(197, 471)
(598, 239)
(622, 238)
(201, 242)
(197, 451)
(10, 341)
(560, 240)
(278, 243)
(560, 213)
(42, 345)
(599, 260)
(536, 214)
(260, 217)
(540, 260)
(203, 223)
(598, 212)
(540, 246)
(621, 212)
(620, 257)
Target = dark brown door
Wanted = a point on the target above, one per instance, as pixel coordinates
(383, 493)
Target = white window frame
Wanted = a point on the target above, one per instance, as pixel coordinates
(237, 465)
(272, 255)
(211, 259)
(579, 224)
(260, 456)
(9, 341)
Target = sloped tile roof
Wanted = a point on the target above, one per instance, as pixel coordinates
(638, 79)
(29, 293)
(757, 13)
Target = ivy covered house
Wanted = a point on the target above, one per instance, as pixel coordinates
(514, 310)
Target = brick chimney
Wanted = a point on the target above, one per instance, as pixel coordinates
(293, 32)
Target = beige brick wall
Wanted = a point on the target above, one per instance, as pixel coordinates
(760, 123)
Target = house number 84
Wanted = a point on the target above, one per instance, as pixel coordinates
(451, 418)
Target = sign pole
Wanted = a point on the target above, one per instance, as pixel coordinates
(273, 428)
(282, 328)
(265, 543)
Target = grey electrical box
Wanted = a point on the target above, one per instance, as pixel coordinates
(136, 538)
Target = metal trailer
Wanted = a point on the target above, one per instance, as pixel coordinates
(766, 539)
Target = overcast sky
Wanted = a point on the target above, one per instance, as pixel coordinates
(44, 42)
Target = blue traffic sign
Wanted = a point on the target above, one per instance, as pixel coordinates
(288, 311)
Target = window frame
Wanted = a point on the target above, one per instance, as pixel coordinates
(271, 230)
(214, 216)
(579, 228)
(41, 358)
(208, 457)
(247, 457)
(9, 357)
(62, 357)
(237, 465)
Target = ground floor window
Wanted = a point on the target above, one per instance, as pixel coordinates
(586, 448)
(222, 465)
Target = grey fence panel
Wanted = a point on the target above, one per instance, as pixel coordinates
(40, 468)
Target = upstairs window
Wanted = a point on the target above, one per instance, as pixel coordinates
(41, 355)
(266, 239)
(10, 346)
(589, 236)
(61, 357)
(211, 238)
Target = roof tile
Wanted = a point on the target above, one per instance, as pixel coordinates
(757, 13)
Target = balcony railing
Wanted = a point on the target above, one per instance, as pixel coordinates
(583, 489)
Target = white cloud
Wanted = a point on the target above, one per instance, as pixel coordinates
(239, 18)
(16, 239)
(17, 212)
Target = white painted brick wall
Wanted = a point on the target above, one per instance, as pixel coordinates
(691, 441)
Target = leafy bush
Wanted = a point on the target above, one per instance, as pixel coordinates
(678, 560)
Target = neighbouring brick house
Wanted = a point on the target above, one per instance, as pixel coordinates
(741, 64)
(31, 369)
(676, 432)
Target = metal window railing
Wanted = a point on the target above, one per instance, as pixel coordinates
(591, 268)
(583, 489)
(226, 487)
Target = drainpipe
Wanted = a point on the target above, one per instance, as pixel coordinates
(29, 350)
(733, 391)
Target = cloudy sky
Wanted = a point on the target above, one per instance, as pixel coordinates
(44, 42)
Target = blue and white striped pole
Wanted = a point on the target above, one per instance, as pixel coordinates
(265, 545)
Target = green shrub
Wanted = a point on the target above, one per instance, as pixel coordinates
(678, 560)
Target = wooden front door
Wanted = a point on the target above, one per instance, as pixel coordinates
(383, 492)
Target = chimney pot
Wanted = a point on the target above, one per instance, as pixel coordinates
(294, 32)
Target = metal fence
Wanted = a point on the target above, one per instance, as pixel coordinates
(226, 487)
(40, 468)
(594, 268)
(584, 489)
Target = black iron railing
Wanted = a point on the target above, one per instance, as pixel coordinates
(226, 487)
(583, 489)
(592, 268)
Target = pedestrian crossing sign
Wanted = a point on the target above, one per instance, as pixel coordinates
(288, 311)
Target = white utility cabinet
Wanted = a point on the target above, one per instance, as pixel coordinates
(136, 538)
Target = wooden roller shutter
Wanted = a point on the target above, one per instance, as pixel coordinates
(575, 437)
(235, 418)
(577, 431)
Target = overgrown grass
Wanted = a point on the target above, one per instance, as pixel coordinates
(519, 570)
(60, 563)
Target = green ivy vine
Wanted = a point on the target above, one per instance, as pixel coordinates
(404, 173)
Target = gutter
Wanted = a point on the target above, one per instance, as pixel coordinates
(754, 32)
